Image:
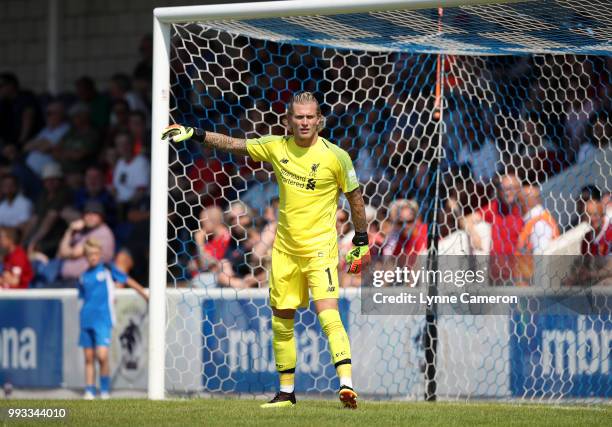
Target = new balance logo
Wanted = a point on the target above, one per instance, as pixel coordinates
(284, 161)
(310, 185)
(331, 288)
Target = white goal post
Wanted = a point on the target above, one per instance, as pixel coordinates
(163, 19)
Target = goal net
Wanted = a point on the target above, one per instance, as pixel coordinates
(447, 114)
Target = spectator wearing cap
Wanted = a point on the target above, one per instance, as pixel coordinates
(79, 146)
(46, 227)
(131, 174)
(71, 249)
(15, 208)
(38, 149)
(16, 269)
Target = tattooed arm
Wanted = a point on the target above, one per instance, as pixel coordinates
(358, 214)
(179, 133)
(225, 143)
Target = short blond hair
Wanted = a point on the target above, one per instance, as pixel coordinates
(305, 98)
(92, 243)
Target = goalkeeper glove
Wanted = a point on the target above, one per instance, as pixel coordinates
(358, 257)
(178, 133)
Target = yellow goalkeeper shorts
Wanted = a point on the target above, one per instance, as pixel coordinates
(292, 276)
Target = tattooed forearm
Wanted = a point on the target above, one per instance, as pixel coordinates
(225, 143)
(358, 214)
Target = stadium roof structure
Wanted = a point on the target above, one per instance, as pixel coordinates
(493, 28)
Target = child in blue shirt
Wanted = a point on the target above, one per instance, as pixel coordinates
(96, 289)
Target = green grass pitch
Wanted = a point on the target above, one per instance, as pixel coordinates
(228, 412)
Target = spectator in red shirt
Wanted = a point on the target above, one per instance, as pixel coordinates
(504, 215)
(17, 271)
(408, 235)
(212, 241)
(213, 237)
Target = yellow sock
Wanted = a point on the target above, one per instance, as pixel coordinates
(338, 344)
(283, 344)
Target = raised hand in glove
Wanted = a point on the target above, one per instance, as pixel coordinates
(178, 133)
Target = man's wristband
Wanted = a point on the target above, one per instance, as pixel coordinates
(199, 132)
(360, 239)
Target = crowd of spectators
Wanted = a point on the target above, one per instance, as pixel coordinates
(233, 249)
(75, 166)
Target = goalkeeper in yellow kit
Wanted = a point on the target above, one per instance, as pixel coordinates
(310, 172)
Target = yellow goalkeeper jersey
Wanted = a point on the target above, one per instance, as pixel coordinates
(309, 180)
